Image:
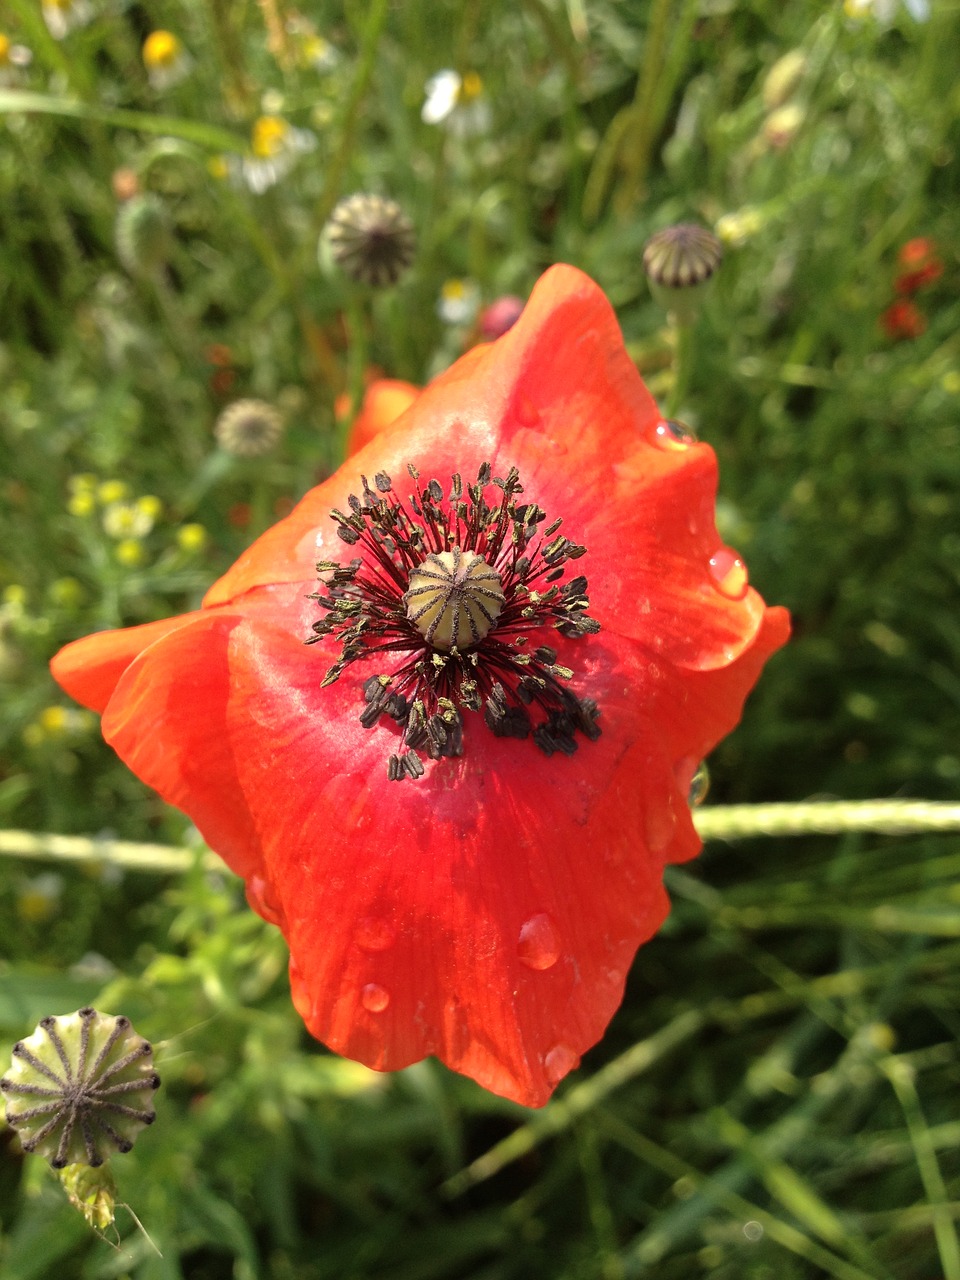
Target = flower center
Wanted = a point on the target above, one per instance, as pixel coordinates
(454, 595)
(454, 598)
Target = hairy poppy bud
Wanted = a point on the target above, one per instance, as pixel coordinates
(142, 234)
(679, 261)
(80, 1088)
(371, 239)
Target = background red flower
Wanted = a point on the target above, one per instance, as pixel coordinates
(903, 319)
(383, 402)
(921, 265)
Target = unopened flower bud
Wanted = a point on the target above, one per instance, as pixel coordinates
(80, 1088)
(142, 234)
(92, 1192)
(248, 428)
(679, 262)
(371, 239)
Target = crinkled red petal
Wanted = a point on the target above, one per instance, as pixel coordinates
(166, 720)
(89, 669)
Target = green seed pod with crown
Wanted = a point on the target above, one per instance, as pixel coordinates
(679, 262)
(80, 1088)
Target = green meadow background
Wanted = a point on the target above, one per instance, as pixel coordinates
(777, 1097)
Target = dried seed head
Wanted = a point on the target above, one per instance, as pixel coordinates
(371, 239)
(80, 1088)
(682, 257)
(248, 428)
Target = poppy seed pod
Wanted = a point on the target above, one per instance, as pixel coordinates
(679, 261)
(248, 428)
(79, 1088)
(371, 239)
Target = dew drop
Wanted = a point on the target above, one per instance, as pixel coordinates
(373, 933)
(539, 945)
(693, 779)
(261, 897)
(559, 1061)
(729, 573)
(374, 998)
(673, 435)
(699, 786)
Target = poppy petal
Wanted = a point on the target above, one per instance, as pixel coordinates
(429, 924)
(165, 721)
(89, 669)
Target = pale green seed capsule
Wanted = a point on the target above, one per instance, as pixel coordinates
(80, 1088)
(454, 598)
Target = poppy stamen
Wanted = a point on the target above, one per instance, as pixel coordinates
(455, 588)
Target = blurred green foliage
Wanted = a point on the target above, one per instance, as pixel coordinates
(776, 1098)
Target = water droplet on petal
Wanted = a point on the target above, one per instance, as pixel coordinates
(559, 1061)
(699, 786)
(261, 897)
(373, 933)
(374, 998)
(729, 573)
(673, 435)
(539, 944)
(693, 779)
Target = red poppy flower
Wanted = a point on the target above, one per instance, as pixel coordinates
(383, 402)
(923, 265)
(903, 319)
(485, 904)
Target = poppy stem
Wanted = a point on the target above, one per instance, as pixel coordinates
(356, 324)
(713, 822)
(683, 363)
(887, 817)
